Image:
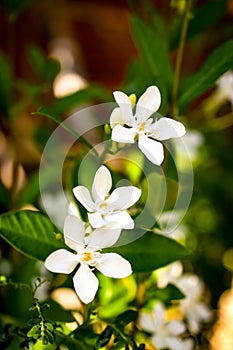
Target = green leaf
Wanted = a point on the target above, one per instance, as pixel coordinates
(170, 292)
(150, 252)
(29, 232)
(91, 93)
(47, 68)
(104, 337)
(220, 61)
(154, 53)
(5, 86)
(125, 318)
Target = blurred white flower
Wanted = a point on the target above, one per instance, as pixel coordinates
(169, 274)
(140, 127)
(104, 207)
(193, 308)
(225, 87)
(88, 257)
(165, 335)
(62, 207)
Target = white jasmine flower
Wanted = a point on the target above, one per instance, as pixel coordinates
(105, 207)
(165, 335)
(88, 257)
(194, 310)
(169, 274)
(140, 127)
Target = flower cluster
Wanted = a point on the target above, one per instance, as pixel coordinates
(107, 216)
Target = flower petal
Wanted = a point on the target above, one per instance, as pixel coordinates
(175, 344)
(146, 321)
(148, 103)
(96, 219)
(102, 183)
(105, 236)
(176, 327)
(83, 196)
(123, 219)
(166, 128)
(122, 134)
(61, 261)
(125, 105)
(152, 149)
(116, 117)
(113, 265)
(124, 197)
(85, 284)
(74, 232)
(159, 313)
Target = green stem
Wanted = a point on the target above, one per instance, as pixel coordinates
(179, 57)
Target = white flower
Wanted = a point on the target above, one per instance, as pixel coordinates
(140, 127)
(193, 308)
(165, 335)
(105, 207)
(88, 257)
(225, 87)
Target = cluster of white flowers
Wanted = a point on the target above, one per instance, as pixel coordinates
(108, 215)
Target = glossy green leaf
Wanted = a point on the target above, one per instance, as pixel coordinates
(29, 232)
(150, 252)
(220, 61)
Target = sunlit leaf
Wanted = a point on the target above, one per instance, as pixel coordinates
(151, 251)
(220, 61)
(29, 232)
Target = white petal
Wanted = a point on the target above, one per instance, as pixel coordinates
(158, 341)
(152, 149)
(96, 219)
(124, 197)
(102, 183)
(146, 321)
(175, 344)
(61, 261)
(83, 196)
(74, 232)
(126, 107)
(113, 265)
(116, 117)
(159, 311)
(105, 236)
(122, 134)
(148, 103)
(123, 219)
(85, 284)
(176, 327)
(166, 128)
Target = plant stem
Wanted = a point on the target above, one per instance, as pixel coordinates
(179, 58)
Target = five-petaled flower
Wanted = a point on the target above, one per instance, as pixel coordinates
(87, 255)
(165, 335)
(105, 207)
(140, 127)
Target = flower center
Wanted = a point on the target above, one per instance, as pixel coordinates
(87, 256)
(142, 126)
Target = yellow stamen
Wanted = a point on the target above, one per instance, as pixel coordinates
(142, 126)
(87, 256)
